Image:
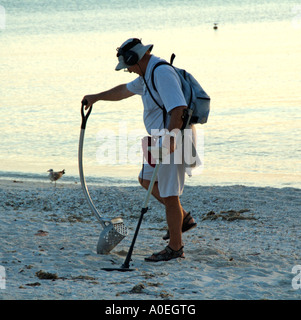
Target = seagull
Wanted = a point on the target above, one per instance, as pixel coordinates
(53, 176)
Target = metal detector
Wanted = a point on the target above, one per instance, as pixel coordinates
(114, 230)
(126, 265)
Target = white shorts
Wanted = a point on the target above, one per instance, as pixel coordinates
(171, 177)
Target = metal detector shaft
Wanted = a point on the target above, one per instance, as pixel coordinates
(144, 209)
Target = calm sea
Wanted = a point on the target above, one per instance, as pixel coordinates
(54, 52)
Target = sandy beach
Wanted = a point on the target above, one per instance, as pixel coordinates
(246, 244)
(246, 201)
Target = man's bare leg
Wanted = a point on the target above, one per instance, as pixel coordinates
(174, 217)
(145, 183)
(155, 192)
(174, 211)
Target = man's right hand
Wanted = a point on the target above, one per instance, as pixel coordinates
(89, 100)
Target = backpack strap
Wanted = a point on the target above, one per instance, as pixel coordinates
(153, 83)
(160, 64)
(161, 107)
(172, 58)
(154, 68)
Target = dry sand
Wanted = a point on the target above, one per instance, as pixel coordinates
(247, 241)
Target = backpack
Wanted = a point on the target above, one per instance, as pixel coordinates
(198, 101)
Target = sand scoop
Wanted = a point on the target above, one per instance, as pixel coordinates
(114, 230)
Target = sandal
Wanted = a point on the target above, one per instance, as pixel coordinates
(166, 255)
(185, 227)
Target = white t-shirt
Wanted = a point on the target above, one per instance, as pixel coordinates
(169, 93)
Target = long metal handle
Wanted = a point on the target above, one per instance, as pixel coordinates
(103, 221)
(85, 116)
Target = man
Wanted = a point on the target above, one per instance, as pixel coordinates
(137, 58)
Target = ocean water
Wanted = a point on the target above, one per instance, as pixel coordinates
(55, 52)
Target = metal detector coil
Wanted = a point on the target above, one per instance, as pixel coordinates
(114, 230)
